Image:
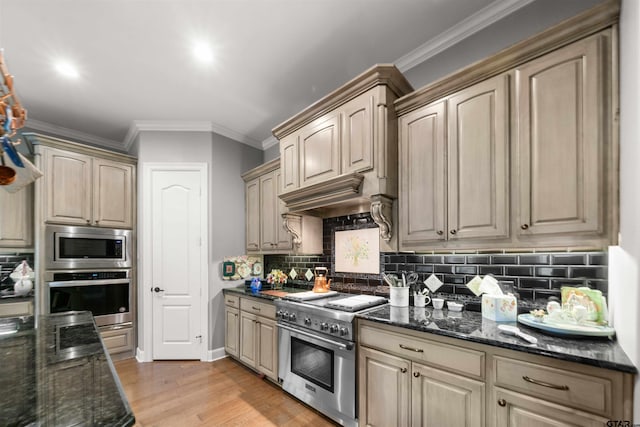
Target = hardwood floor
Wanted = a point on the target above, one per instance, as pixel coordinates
(220, 393)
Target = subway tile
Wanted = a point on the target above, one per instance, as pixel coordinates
(588, 272)
(601, 285)
(445, 289)
(462, 290)
(466, 269)
(568, 259)
(525, 293)
(477, 259)
(598, 259)
(551, 271)
(443, 268)
(424, 268)
(398, 259)
(518, 271)
(504, 259)
(432, 259)
(530, 283)
(454, 259)
(559, 283)
(491, 269)
(543, 295)
(415, 259)
(534, 259)
(453, 279)
(390, 268)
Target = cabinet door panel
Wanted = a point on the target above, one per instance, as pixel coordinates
(289, 162)
(267, 345)
(319, 156)
(248, 349)
(384, 389)
(16, 218)
(357, 134)
(422, 176)
(68, 187)
(561, 140)
(112, 199)
(252, 201)
(268, 196)
(519, 410)
(439, 398)
(478, 168)
(232, 331)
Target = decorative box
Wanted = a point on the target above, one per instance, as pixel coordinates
(501, 308)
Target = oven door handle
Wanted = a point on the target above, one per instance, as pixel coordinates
(88, 283)
(316, 337)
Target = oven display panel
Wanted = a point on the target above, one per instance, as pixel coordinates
(313, 363)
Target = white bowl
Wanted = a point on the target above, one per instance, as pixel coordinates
(454, 306)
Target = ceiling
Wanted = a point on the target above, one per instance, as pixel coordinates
(271, 58)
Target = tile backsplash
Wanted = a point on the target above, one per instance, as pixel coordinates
(9, 261)
(535, 275)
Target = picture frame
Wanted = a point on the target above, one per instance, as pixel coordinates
(228, 269)
(357, 251)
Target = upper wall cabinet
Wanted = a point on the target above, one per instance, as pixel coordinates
(83, 185)
(16, 218)
(269, 229)
(340, 155)
(518, 150)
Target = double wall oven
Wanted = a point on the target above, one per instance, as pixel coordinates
(89, 268)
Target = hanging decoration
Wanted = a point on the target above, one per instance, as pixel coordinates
(15, 170)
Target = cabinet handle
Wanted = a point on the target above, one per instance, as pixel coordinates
(502, 402)
(524, 226)
(403, 370)
(88, 221)
(439, 232)
(545, 384)
(256, 308)
(453, 231)
(417, 350)
(416, 374)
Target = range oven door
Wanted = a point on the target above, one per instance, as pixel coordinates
(320, 371)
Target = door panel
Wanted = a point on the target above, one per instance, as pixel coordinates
(319, 156)
(68, 187)
(283, 237)
(267, 337)
(248, 338)
(177, 230)
(289, 162)
(252, 202)
(478, 160)
(357, 136)
(112, 194)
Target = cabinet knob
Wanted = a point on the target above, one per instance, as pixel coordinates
(97, 222)
(453, 231)
(502, 402)
(403, 370)
(88, 221)
(439, 232)
(524, 226)
(416, 374)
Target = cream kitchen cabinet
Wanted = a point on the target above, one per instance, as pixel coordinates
(454, 168)
(83, 185)
(16, 218)
(319, 147)
(232, 324)
(401, 391)
(268, 229)
(564, 142)
(258, 337)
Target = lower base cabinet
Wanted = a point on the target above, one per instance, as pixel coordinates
(232, 331)
(118, 340)
(399, 392)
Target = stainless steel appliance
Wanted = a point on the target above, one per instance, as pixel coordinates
(317, 350)
(107, 294)
(68, 247)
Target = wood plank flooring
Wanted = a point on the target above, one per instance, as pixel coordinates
(220, 393)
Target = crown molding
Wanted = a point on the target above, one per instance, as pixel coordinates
(74, 135)
(138, 126)
(269, 142)
(465, 28)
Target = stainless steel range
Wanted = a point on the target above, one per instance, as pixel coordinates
(317, 350)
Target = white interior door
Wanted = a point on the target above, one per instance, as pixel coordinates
(178, 262)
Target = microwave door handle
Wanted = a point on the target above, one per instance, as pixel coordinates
(317, 337)
(66, 284)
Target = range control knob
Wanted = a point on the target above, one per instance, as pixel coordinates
(292, 317)
(343, 331)
(285, 315)
(334, 329)
(279, 314)
(307, 321)
(324, 326)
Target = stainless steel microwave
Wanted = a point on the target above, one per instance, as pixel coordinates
(68, 247)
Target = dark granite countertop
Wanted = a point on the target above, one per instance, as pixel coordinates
(57, 373)
(471, 326)
(241, 290)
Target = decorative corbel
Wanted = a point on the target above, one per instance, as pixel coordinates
(293, 224)
(381, 212)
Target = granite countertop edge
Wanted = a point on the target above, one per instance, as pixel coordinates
(623, 363)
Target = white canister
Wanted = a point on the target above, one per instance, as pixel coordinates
(420, 300)
(399, 296)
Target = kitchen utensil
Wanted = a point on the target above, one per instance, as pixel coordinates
(7, 174)
(514, 330)
(420, 300)
(399, 296)
(321, 285)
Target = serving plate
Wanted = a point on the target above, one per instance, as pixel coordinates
(565, 329)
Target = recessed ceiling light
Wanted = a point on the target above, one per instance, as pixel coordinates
(202, 52)
(67, 69)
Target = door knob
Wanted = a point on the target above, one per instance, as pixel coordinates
(502, 402)
(157, 289)
(403, 370)
(416, 374)
(524, 226)
(453, 231)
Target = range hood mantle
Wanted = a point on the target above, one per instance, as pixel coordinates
(339, 156)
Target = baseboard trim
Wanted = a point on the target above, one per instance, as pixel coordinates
(215, 354)
(140, 356)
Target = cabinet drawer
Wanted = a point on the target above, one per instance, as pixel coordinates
(13, 309)
(259, 308)
(455, 359)
(557, 385)
(117, 340)
(232, 300)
